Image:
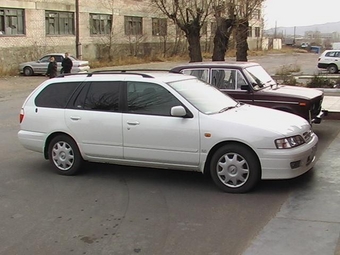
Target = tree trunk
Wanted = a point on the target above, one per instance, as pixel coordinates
(221, 38)
(195, 53)
(241, 40)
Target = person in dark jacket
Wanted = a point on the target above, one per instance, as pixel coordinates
(52, 68)
(67, 64)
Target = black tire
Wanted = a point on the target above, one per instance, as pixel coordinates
(28, 71)
(235, 168)
(333, 69)
(64, 155)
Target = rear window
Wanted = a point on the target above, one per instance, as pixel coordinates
(56, 95)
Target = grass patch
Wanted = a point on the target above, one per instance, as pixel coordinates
(321, 82)
(6, 72)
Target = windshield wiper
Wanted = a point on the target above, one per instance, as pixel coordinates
(229, 107)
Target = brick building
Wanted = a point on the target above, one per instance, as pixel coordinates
(29, 29)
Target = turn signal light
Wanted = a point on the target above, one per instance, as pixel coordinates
(21, 116)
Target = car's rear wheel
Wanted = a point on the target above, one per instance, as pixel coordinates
(28, 71)
(333, 69)
(235, 168)
(64, 155)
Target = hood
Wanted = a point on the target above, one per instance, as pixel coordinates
(302, 92)
(265, 119)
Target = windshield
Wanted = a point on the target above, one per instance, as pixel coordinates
(203, 96)
(259, 78)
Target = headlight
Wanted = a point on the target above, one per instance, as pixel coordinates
(289, 142)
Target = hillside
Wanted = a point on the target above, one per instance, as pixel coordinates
(300, 30)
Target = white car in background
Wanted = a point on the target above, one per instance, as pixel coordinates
(40, 66)
(330, 60)
(163, 120)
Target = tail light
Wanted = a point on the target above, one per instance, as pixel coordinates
(21, 116)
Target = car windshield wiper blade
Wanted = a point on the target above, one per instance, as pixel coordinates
(228, 108)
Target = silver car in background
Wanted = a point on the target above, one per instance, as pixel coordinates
(40, 66)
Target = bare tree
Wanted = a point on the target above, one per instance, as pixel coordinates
(243, 12)
(189, 16)
(109, 39)
(224, 28)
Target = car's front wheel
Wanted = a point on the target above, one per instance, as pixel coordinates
(235, 168)
(333, 69)
(64, 155)
(28, 71)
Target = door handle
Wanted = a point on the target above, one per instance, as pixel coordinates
(75, 118)
(133, 123)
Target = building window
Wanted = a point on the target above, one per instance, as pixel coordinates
(100, 24)
(59, 23)
(256, 14)
(12, 22)
(159, 26)
(250, 31)
(133, 25)
(257, 32)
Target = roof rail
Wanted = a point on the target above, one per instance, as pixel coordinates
(128, 71)
(71, 74)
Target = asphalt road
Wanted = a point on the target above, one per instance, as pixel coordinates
(112, 209)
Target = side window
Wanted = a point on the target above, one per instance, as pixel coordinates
(58, 58)
(240, 80)
(102, 96)
(201, 74)
(330, 54)
(337, 54)
(56, 95)
(223, 78)
(149, 98)
(45, 59)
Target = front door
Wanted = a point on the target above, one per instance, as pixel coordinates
(150, 133)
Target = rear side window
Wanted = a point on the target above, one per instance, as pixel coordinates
(333, 54)
(103, 96)
(202, 74)
(56, 95)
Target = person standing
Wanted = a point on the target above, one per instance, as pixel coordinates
(67, 64)
(52, 68)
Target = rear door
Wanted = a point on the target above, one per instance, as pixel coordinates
(95, 121)
(332, 57)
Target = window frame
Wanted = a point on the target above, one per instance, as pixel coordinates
(133, 25)
(159, 26)
(257, 32)
(62, 22)
(14, 22)
(103, 24)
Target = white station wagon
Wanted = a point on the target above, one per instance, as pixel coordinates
(163, 120)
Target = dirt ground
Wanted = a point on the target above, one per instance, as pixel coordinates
(10, 86)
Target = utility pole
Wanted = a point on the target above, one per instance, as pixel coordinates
(78, 44)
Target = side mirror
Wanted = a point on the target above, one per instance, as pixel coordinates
(178, 111)
(245, 87)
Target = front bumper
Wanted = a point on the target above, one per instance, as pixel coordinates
(321, 115)
(288, 163)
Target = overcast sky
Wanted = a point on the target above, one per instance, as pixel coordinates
(290, 13)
